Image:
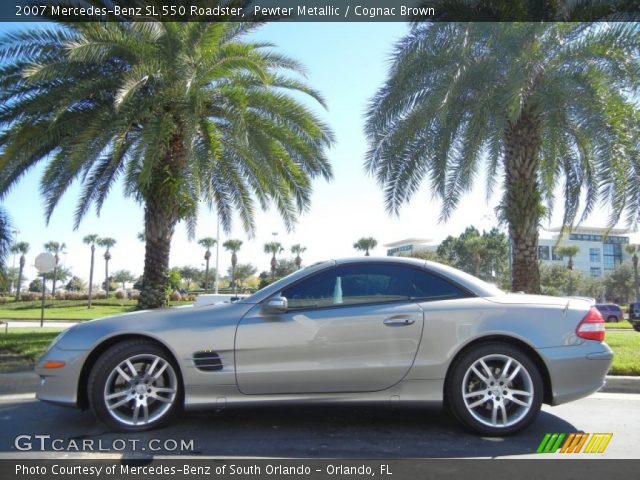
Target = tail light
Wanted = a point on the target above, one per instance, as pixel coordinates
(592, 326)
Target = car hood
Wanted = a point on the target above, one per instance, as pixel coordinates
(152, 322)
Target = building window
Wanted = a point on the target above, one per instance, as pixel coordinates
(612, 256)
(594, 255)
(543, 252)
(555, 255)
(596, 272)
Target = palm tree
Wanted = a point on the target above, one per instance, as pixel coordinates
(21, 248)
(233, 246)
(181, 112)
(55, 248)
(6, 240)
(365, 244)
(106, 243)
(476, 247)
(273, 248)
(633, 249)
(530, 102)
(91, 240)
(568, 251)
(297, 250)
(208, 243)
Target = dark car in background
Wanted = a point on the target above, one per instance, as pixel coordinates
(634, 315)
(610, 312)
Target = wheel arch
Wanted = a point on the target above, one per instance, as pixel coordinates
(515, 342)
(103, 346)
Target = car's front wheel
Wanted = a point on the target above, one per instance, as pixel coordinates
(495, 389)
(134, 386)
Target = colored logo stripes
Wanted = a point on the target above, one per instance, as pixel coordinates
(574, 442)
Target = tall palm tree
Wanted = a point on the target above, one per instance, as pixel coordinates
(365, 244)
(569, 251)
(92, 240)
(21, 248)
(208, 243)
(181, 112)
(298, 250)
(633, 249)
(529, 102)
(273, 248)
(6, 240)
(107, 243)
(55, 248)
(233, 246)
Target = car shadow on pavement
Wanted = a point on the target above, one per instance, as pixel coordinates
(293, 431)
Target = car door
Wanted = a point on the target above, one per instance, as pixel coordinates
(351, 328)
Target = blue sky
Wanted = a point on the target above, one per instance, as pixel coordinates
(347, 63)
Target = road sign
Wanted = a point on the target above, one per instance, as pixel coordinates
(45, 263)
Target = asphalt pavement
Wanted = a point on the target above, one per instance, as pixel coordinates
(307, 432)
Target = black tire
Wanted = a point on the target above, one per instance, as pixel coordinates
(103, 372)
(636, 327)
(612, 318)
(476, 422)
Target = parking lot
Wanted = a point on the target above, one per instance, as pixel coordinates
(307, 432)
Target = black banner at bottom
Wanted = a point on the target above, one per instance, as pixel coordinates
(315, 469)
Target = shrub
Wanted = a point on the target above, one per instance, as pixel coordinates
(121, 294)
(175, 296)
(134, 295)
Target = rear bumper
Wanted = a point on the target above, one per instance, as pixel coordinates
(576, 371)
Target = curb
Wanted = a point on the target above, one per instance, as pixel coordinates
(621, 384)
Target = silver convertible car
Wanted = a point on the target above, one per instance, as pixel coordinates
(366, 330)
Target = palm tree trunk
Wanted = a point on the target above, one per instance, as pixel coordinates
(55, 274)
(161, 215)
(160, 220)
(636, 289)
(522, 203)
(106, 276)
(206, 273)
(93, 251)
(22, 262)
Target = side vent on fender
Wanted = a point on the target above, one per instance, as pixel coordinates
(207, 361)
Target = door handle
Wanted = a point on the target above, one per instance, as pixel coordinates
(399, 321)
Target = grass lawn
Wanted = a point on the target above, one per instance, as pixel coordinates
(626, 352)
(622, 324)
(68, 309)
(30, 342)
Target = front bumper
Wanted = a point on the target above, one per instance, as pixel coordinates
(577, 371)
(60, 385)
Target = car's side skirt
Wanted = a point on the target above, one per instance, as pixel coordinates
(422, 392)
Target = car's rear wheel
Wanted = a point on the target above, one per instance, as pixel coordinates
(612, 318)
(636, 327)
(134, 386)
(495, 389)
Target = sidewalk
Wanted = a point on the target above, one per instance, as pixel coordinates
(36, 323)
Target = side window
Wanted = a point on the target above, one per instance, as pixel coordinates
(427, 286)
(352, 285)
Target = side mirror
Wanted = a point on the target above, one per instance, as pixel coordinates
(276, 305)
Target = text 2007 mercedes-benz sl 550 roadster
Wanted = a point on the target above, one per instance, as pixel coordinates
(354, 331)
